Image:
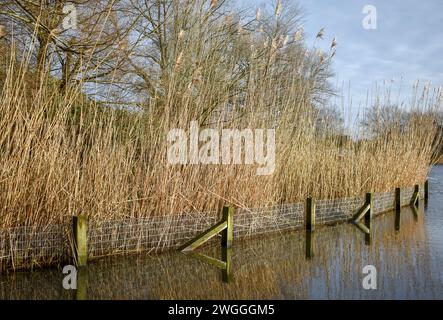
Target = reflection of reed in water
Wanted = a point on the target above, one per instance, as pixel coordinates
(267, 268)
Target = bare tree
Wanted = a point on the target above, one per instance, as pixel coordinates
(165, 53)
(380, 119)
(84, 50)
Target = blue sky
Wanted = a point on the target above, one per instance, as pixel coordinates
(407, 44)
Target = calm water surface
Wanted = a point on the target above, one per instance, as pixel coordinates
(409, 265)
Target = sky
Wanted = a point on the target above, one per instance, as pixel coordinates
(407, 45)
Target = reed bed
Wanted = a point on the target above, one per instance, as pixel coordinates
(60, 158)
(63, 153)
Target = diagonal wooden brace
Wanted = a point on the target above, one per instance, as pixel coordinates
(361, 213)
(366, 213)
(225, 227)
(415, 196)
(205, 236)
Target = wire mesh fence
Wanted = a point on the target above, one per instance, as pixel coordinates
(252, 222)
(337, 210)
(22, 245)
(4, 252)
(35, 245)
(140, 234)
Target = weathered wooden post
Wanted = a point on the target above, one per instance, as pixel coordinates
(310, 214)
(228, 233)
(426, 191)
(225, 228)
(397, 208)
(368, 217)
(80, 227)
(310, 227)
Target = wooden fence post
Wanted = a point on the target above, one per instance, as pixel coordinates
(310, 214)
(417, 190)
(310, 227)
(426, 191)
(397, 208)
(80, 227)
(368, 217)
(228, 233)
(224, 227)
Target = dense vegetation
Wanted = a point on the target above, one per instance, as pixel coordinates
(85, 113)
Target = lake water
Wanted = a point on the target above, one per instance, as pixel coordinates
(409, 265)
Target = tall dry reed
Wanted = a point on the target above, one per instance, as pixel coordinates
(62, 154)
